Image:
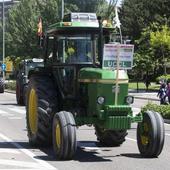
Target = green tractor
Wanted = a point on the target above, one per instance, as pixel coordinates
(73, 89)
(25, 66)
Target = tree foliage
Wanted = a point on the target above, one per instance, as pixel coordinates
(21, 29)
(153, 48)
(139, 14)
(21, 32)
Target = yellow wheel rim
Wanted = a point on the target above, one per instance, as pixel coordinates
(144, 140)
(144, 136)
(32, 110)
(58, 134)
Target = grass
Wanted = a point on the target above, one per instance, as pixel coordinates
(141, 86)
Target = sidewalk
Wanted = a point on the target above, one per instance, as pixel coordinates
(144, 95)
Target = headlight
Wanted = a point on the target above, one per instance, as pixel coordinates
(129, 99)
(100, 100)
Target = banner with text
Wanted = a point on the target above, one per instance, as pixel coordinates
(125, 55)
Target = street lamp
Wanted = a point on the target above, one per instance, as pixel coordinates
(3, 55)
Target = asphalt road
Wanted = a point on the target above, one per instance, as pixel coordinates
(15, 152)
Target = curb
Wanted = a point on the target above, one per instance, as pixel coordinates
(167, 121)
(145, 98)
(10, 91)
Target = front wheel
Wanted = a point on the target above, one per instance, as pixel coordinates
(64, 135)
(150, 134)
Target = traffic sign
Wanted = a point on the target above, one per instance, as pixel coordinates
(3, 67)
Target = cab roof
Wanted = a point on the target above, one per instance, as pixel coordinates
(78, 22)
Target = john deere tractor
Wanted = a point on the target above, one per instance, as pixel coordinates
(74, 89)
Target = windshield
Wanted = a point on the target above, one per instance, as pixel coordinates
(32, 65)
(75, 49)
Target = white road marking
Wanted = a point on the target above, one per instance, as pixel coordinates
(42, 163)
(89, 146)
(4, 113)
(134, 140)
(15, 118)
(19, 163)
(167, 124)
(17, 110)
(2, 150)
(167, 134)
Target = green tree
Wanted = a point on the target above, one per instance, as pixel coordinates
(21, 32)
(153, 49)
(21, 29)
(144, 60)
(160, 43)
(139, 14)
(103, 8)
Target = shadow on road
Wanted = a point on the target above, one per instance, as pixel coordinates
(84, 153)
(10, 104)
(15, 145)
(134, 155)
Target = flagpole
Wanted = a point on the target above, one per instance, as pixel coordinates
(3, 56)
(120, 31)
(118, 24)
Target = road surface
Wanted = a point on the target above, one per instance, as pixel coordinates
(15, 152)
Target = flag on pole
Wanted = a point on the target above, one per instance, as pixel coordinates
(40, 27)
(116, 20)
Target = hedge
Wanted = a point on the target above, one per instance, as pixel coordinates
(164, 110)
(163, 77)
(11, 85)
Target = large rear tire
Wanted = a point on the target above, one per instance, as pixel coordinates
(150, 134)
(64, 135)
(25, 94)
(19, 93)
(110, 138)
(41, 107)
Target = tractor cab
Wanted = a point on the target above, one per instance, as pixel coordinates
(72, 45)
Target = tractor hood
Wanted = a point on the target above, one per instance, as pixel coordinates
(99, 75)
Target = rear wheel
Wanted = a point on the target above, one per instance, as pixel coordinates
(110, 137)
(41, 106)
(150, 134)
(64, 135)
(19, 94)
(25, 94)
